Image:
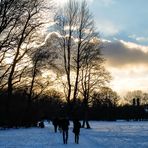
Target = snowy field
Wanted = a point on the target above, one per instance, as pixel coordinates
(102, 135)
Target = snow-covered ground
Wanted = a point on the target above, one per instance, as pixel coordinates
(102, 135)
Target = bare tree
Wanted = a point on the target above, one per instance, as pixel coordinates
(42, 58)
(66, 20)
(82, 58)
(109, 98)
(20, 21)
(76, 27)
(10, 13)
(136, 94)
(93, 75)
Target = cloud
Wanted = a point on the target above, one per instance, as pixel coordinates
(107, 28)
(121, 54)
(142, 39)
(62, 2)
(107, 2)
(133, 46)
(139, 39)
(128, 64)
(104, 2)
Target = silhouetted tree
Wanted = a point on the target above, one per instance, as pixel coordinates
(93, 75)
(77, 33)
(136, 94)
(20, 21)
(105, 103)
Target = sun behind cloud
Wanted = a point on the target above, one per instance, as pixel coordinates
(128, 65)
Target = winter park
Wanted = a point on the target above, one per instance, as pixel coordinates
(73, 73)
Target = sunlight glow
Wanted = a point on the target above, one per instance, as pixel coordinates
(129, 79)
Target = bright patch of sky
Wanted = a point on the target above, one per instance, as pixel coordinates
(132, 79)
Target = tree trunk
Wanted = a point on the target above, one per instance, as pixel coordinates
(85, 120)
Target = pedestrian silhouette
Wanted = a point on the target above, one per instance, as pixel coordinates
(64, 126)
(59, 125)
(76, 130)
(41, 124)
(55, 124)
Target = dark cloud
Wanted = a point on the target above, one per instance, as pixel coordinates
(117, 54)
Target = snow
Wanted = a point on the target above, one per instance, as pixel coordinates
(119, 134)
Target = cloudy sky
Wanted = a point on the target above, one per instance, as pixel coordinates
(123, 24)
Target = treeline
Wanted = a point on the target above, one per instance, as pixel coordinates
(126, 112)
(22, 112)
(50, 106)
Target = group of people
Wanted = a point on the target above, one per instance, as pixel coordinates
(62, 124)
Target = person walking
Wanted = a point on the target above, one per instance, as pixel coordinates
(59, 125)
(64, 126)
(55, 124)
(76, 130)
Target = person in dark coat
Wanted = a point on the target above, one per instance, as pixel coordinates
(59, 125)
(76, 130)
(55, 124)
(64, 126)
